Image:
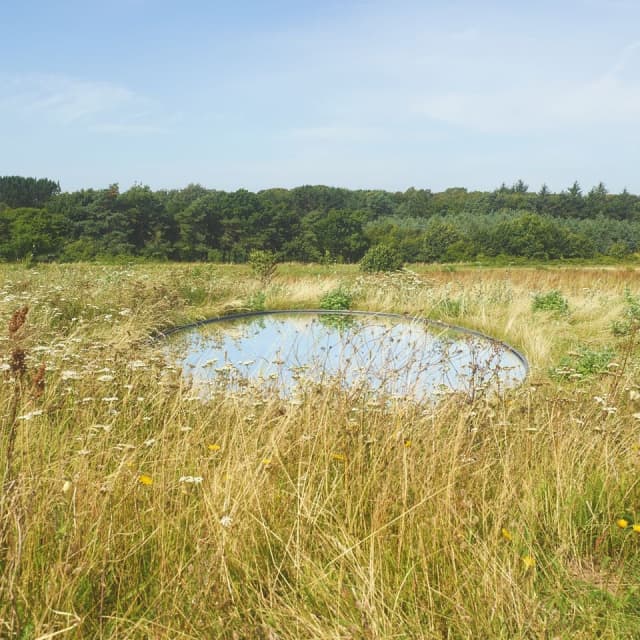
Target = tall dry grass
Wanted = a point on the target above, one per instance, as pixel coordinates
(134, 509)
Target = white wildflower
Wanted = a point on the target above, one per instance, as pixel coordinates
(226, 521)
(191, 479)
(105, 378)
(31, 414)
(69, 374)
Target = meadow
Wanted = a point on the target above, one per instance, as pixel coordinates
(133, 508)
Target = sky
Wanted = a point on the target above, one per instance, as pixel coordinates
(357, 94)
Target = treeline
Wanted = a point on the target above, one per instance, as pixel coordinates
(312, 223)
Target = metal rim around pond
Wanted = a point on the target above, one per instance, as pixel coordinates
(351, 312)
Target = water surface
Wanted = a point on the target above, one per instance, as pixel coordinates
(289, 353)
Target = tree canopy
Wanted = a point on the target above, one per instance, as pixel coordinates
(312, 223)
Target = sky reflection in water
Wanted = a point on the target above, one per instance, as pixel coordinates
(287, 353)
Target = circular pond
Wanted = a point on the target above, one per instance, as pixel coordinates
(383, 354)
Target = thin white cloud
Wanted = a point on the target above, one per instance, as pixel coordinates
(63, 101)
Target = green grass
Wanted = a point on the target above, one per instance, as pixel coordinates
(334, 518)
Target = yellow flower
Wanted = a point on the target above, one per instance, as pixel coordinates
(407, 443)
(213, 447)
(529, 561)
(145, 479)
(340, 457)
(636, 528)
(506, 534)
(266, 461)
(623, 523)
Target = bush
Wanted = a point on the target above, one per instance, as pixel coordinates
(381, 258)
(263, 264)
(337, 299)
(584, 362)
(630, 322)
(551, 301)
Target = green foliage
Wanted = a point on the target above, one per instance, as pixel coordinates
(551, 301)
(337, 299)
(314, 223)
(263, 264)
(256, 301)
(630, 323)
(584, 362)
(450, 307)
(16, 191)
(381, 258)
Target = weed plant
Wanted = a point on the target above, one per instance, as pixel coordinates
(133, 508)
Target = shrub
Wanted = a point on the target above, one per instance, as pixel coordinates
(337, 299)
(550, 301)
(263, 264)
(584, 362)
(381, 258)
(630, 322)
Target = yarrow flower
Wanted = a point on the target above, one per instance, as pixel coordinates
(191, 479)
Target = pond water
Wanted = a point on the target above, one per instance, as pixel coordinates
(289, 353)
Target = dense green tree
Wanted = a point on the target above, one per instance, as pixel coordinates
(16, 191)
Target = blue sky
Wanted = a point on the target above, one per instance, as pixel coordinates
(360, 94)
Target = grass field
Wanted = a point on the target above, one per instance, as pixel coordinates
(131, 508)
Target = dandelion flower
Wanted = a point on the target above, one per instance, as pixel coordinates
(636, 528)
(408, 443)
(623, 523)
(266, 461)
(506, 534)
(340, 457)
(529, 561)
(145, 479)
(213, 447)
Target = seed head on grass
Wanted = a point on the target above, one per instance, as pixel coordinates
(17, 320)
